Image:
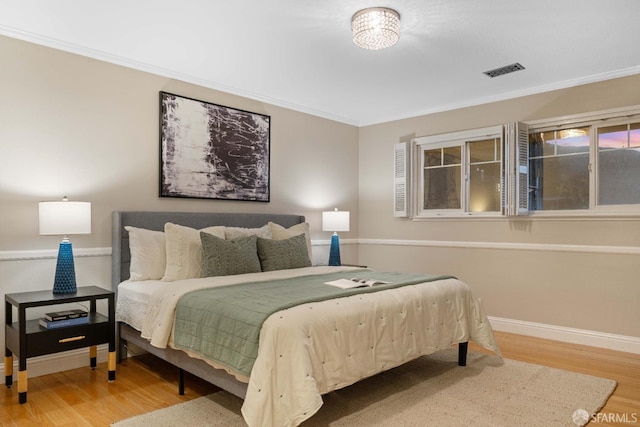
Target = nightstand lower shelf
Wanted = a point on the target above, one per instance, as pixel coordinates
(26, 338)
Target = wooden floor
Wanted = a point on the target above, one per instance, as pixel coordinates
(82, 397)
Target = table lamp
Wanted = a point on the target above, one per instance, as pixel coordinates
(64, 218)
(335, 221)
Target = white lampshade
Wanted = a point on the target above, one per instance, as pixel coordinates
(64, 217)
(335, 220)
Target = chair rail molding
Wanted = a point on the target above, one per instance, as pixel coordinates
(52, 254)
(545, 247)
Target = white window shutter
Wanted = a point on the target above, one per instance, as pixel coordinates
(507, 180)
(401, 172)
(516, 176)
(522, 132)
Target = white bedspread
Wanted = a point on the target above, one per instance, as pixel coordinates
(133, 298)
(314, 348)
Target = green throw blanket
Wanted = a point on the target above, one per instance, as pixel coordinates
(223, 323)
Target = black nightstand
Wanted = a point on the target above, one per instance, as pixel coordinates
(26, 338)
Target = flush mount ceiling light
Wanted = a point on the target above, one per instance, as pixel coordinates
(375, 28)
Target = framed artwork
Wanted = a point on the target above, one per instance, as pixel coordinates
(210, 151)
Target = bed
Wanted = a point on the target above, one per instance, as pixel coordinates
(306, 349)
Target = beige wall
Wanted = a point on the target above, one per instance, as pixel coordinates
(87, 129)
(564, 272)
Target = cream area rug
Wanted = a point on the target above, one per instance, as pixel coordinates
(430, 391)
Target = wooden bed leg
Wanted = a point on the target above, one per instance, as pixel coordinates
(181, 382)
(462, 353)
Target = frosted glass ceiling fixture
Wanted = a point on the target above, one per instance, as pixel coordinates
(375, 28)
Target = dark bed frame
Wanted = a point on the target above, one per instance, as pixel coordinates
(121, 258)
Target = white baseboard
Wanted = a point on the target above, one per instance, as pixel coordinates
(58, 362)
(569, 335)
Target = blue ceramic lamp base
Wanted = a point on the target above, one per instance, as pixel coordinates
(65, 281)
(334, 251)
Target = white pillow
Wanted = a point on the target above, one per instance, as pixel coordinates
(235, 232)
(184, 251)
(148, 254)
(278, 232)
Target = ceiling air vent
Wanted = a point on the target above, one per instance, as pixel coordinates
(504, 70)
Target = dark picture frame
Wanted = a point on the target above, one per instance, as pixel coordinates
(209, 151)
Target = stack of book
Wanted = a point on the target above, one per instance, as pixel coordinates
(60, 319)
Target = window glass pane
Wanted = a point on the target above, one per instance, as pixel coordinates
(612, 137)
(634, 139)
(572, 141)
(433, 157)
(442, 188)
(542, 144)
(536, 144)
(619, 166)
(559, 183)
(452, 155)
(484, 187)
(482, 151)
(618, 177)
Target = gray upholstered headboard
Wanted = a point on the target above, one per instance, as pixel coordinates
(120, 256)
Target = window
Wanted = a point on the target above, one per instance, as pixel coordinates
(442, 174)
(559, 169)
(587, 164)
(485, 171)
(594, 167)
(618, 164)
(460, 173)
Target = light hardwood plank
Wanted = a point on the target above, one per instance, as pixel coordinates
(84, 397)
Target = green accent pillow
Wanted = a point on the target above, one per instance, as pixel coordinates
(283, 254)
(222, 257)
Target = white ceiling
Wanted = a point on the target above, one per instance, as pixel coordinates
(299, 53)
